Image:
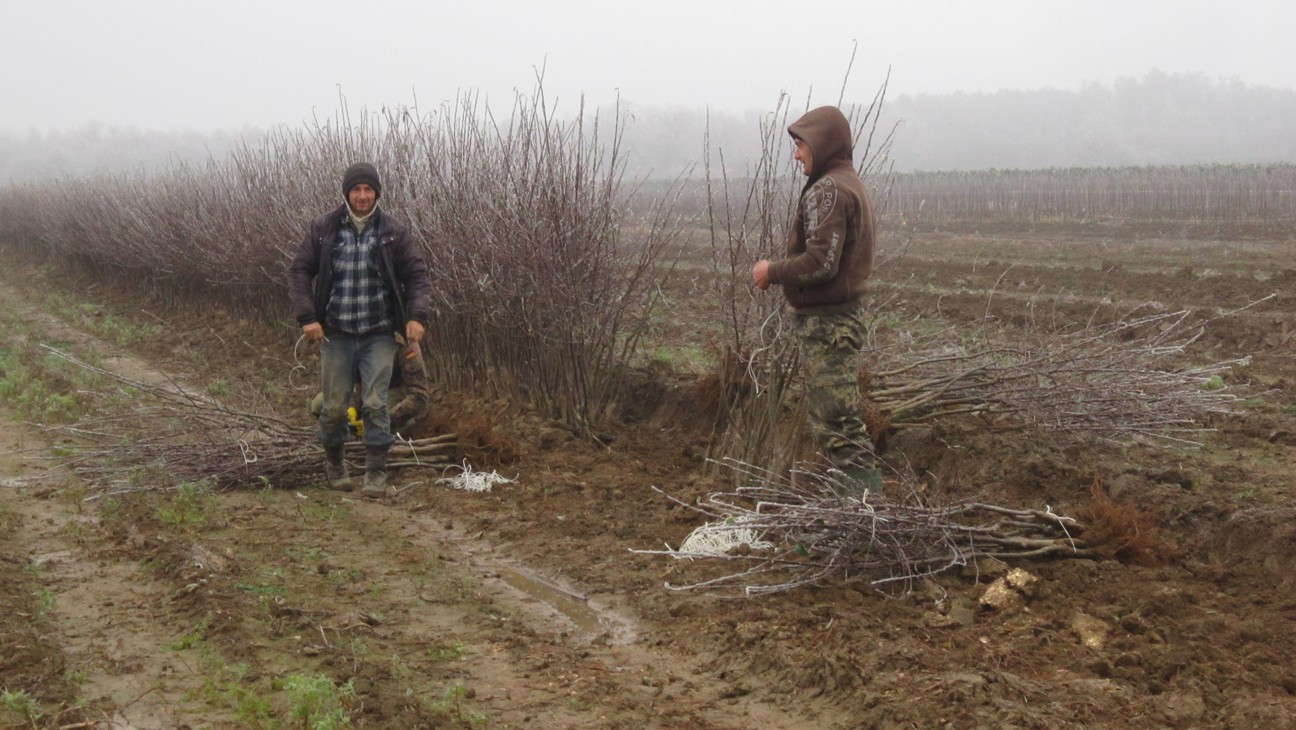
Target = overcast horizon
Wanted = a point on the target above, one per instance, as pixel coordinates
(229, 66)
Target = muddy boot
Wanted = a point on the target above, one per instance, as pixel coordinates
(335, 470)
(375, 478)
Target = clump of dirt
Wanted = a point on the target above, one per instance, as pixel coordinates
(476, 424)
(1259, 539)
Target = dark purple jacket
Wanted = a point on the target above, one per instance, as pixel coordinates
(400, 263)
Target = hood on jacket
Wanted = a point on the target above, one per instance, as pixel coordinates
(828, 134)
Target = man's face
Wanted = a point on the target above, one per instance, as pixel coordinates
(362, 198)
(803, 155)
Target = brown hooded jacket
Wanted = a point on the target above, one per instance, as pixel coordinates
(830, 244)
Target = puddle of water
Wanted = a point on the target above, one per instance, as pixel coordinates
(571, 604)
(58, 556)
(594, 619)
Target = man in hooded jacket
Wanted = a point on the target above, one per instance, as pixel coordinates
(357, 279)
(824, 277)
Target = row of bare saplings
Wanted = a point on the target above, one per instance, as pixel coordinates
(541, 289)
(1249, 194)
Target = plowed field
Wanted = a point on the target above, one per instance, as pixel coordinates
(173, 606)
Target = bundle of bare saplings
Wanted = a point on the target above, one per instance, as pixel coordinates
(187, 438)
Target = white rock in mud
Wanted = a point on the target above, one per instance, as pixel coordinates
(1011, 591)
(1091, 631)
(1025, 583)
(1001, 597)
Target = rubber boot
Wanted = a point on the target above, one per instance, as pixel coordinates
(335, 470)
(375, 478)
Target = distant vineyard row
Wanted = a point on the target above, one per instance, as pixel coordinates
(1206, 194)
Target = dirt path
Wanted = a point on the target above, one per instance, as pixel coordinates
(107, 615)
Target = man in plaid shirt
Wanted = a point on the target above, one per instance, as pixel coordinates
(356, 281)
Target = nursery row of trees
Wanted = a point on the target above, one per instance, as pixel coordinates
(1261, 196)
(1248, 194)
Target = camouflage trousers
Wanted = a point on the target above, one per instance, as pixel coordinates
(830, 358)
(414, 378)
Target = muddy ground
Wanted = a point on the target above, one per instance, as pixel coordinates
(173, 606)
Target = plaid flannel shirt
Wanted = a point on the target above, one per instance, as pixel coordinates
(359, 303)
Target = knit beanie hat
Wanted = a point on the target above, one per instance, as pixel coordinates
(361, 172)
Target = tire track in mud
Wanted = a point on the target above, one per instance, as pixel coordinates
(528, 661)
(605, 640)
(108, 615)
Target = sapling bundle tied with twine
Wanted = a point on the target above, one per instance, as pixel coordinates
(805, 530)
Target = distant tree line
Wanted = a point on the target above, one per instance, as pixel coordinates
(96, 148)
(1160, 119)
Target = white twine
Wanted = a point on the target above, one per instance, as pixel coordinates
(716, 539)
(474, 481)
(410, 442)
(1048, 509)
(292, 374)
(777, 318)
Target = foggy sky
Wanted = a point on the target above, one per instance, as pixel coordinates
(204, 66)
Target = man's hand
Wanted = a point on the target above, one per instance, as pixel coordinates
(414, 336)
(314, 331)
(760, 274)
